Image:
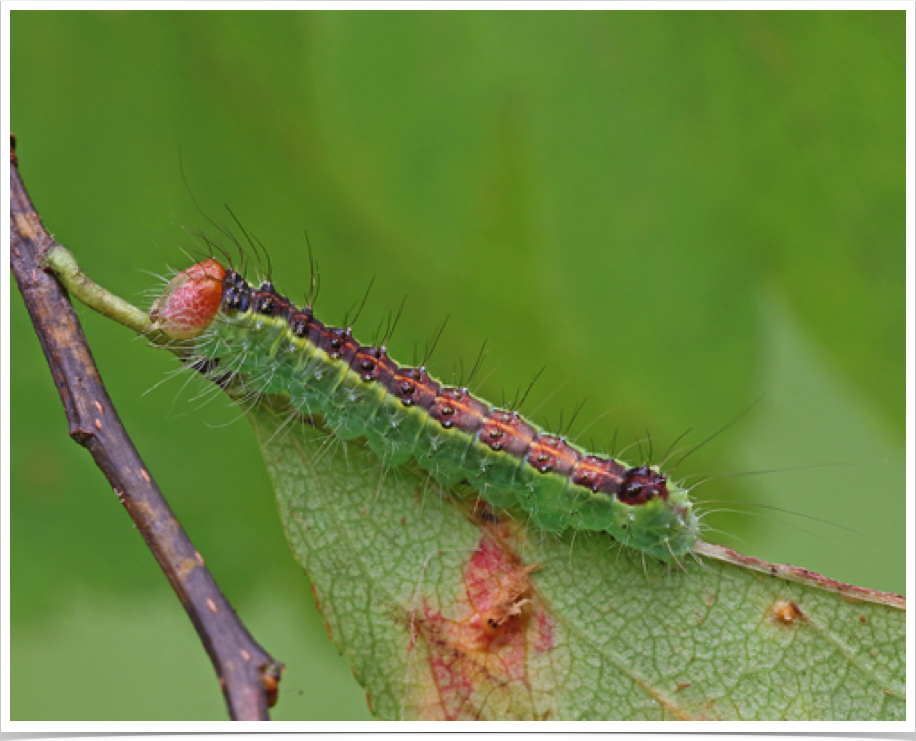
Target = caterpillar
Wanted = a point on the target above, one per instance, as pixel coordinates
(239, 330)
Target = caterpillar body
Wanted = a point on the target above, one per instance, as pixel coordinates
(404, 413)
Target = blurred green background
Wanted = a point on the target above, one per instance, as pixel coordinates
(675, 212)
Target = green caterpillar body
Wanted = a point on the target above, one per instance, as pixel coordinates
(403, 413)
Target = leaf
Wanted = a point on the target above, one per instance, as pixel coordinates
(448, 611)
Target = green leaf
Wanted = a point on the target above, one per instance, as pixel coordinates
(447, 610)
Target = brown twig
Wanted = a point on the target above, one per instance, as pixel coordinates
(248, 675)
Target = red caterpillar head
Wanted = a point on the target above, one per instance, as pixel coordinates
(190, 301)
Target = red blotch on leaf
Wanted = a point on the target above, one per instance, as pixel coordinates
(479, 659)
